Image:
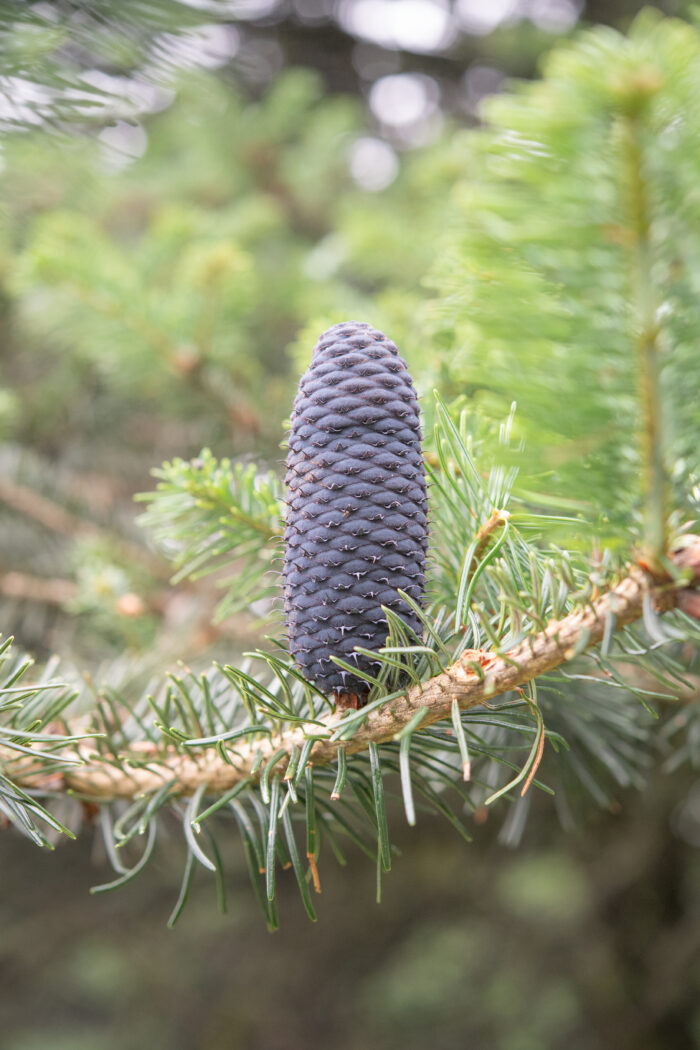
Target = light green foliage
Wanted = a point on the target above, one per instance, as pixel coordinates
(553, 274)
(156, 306)
(29, 715)
(218, 512)
(570, 269)
(49, 47)
(207, 515)
(173, 285)
(150, 304)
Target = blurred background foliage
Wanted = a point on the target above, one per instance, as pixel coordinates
(191, 193)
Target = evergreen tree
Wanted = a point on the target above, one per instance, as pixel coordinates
(563, 615)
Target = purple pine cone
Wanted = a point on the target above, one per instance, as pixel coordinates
(357, 528)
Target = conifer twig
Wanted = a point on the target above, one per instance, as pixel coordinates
(485, 535)
(24, 586)
(45, 511)
(655, 479)
(55, 518)
(559, 642)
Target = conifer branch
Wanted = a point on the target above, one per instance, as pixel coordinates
(25, 586)
(45, 511)
(55, 518)
(484, 536)
(477, 677)
(646, 332)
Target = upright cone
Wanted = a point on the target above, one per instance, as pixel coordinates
(357, 528)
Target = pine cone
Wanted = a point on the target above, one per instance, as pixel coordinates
(357, 529)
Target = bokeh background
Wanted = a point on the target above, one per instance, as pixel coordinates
(190, 193)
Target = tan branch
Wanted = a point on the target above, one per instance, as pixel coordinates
(45, 511)
(485, 535)
(558, 643)
(57, 519)
(35, 588)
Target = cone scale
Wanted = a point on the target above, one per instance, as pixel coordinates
(356, 530)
